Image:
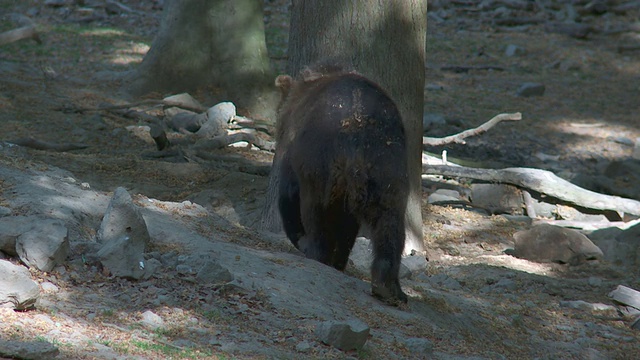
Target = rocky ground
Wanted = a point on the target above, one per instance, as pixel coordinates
(470, 301)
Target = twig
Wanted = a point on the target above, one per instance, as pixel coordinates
(45, 145)
(458, 138)
(463, 69)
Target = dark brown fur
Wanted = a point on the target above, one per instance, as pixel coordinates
(344, 164)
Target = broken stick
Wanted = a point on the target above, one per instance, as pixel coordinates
(458, 138)
(45, 145)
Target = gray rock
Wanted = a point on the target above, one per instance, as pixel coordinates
(531, 89)
(28, 350)
(549, 243)
(187, 120)
(184, 269)
(17, 290)
(443, 195)
(620, 247)
(420, 347)
(514, 50)
(11, 227)
(150, 267)
(5, 211)
(123, 219)
(45, 245)
(411, 265)
(151, 320)
(124, 257)
(303, 347)
(544, 209)
(497, 198)
(218, 117)
(564, 212)
(49, 287)
(636, 150)
(213, 273)
(182, 99)
(361, 256)
(347, 335)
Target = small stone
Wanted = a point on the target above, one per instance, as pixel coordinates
(213, 273)
(594, 281)
(513, 50)
(4, 211)
(531, 89)
(49, 287)
(303, 347)
(151, 320)
(419, 346)
(346, 336)
(443, 195)
(184, 269)
(411, 265)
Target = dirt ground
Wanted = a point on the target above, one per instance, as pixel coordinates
(587, 117)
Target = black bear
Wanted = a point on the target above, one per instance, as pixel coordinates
(343, 155)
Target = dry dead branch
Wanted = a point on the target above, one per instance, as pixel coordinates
(543, 182)
(463, 69)
(458, 138)
(25, 32)
(45, 145)
(587, 225)
(247, 135)
(149, 102)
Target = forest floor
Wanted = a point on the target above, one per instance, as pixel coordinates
(587, 118)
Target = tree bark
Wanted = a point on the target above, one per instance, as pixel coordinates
(219, 43)
(383, 40)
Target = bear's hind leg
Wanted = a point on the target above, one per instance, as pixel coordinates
(342, 228)
(289, 206)
(387, 236)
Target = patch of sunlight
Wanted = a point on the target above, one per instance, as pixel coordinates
(129, 52)
(102, 32)
(601, 128)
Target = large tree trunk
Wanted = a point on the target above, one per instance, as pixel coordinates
(383, 40)
(219, 43)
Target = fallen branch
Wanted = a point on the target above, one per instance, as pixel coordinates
(221, 141)
(45, 145)
(458, 138)
(587, 225)
(543, 182)
(149, 102)
(463, 69)
(25, 32)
